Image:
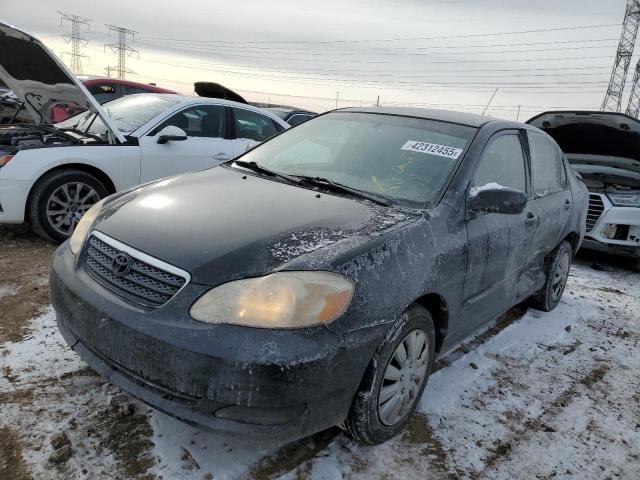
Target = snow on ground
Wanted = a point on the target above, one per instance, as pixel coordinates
(549, 395)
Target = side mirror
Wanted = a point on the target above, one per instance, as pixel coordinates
(496, 199)
(171, 133)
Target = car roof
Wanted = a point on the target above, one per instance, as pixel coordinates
(191, 99)
(289, 110)
(461, 118)
(90, 80)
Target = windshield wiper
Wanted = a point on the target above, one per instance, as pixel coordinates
(339, 187)
(260, 169)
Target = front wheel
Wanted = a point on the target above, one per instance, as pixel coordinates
(394, 383)
(557, 272)
(60, 199)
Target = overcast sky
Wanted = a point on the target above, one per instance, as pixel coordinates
(450, 54)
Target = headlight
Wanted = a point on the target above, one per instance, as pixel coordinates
(84, 225)
(279, 300)
(625, 199)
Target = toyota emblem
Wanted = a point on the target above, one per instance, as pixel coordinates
(121, 264)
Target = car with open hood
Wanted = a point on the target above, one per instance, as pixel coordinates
(604, 148)
(312, 281)
(51, 173)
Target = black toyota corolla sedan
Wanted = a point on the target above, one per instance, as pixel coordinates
(312, 281)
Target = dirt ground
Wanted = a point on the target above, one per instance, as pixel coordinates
(554, 399)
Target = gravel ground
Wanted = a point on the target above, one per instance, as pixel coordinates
(534, 395)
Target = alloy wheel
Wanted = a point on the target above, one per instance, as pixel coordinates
(403, 378)
(67, 204)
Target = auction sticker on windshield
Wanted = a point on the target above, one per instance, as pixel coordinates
(433, 149)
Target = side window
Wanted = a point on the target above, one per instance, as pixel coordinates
(129, 90)
(546, 164)
(253, 125)
(502, 163)
(103, 92)
(201, 121)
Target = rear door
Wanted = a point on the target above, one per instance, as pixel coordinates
(499, 244)
(207, 143)
(250, 128)
(551, 198)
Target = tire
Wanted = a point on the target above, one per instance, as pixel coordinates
(47, 195)
(371, 421)
(556, 271)
(635, 264)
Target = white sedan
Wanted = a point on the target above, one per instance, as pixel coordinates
(51, 174)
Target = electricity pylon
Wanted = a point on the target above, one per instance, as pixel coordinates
(75, 39)
(613, 99)
(122, 49)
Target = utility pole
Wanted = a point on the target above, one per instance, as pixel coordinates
(337, 94)
(518, 114)
(613, 98)
(122, 49)
(490, 100)
(75, 39)
(378, 101)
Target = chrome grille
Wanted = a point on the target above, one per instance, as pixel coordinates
(596, 207)
(144, 284)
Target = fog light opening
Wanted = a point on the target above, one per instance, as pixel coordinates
(609, 231)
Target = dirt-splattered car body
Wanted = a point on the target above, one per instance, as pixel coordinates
(280, 382)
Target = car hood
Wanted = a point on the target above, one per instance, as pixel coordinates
(40, 80)
(604, 147)
(222, 224)
(604, 134)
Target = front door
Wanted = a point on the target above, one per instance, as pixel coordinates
(205, 146)
(499, 244)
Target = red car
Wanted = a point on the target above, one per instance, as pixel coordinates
(104, 90)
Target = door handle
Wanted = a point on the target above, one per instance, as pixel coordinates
(221, 156)
(567, 204)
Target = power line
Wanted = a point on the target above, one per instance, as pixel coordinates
(412, 54)
(223, 53)
(75, 39)
(440, 37)
(122, 49)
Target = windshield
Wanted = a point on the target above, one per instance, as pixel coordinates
(400, 158)
(128, 114)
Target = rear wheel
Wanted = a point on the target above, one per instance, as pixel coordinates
(395, 380)
(635, 264)
(557, 272)
(60, 199)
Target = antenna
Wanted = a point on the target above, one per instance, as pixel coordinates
(490, 100)
(613, 98)
(122, 49)
(75, 39)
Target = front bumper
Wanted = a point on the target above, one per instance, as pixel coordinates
(625, 220)
(611, 248)
(13, 199)
(274, 384)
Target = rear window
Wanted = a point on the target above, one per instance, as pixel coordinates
(547, 170)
